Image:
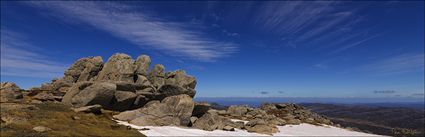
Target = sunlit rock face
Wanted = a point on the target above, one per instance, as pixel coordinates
(119, 84)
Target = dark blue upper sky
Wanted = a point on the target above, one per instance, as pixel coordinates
(255, 49)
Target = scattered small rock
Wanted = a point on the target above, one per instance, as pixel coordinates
(263, 129)
(228, 128)
(43, 96)
(145, 129)
(200, 109)
(237, 110)
(222, 112)
(76, 118)
(41, 129)
(193, 120)
(36, 101)
(95, 109)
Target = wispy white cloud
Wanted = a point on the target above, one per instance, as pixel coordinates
(294, 17)
(354, 44)
(291, 17)
(18, 58)
(138, 27)
(321, 66)
(323, 23)
(412, 62)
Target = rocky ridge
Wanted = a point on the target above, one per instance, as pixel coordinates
(152, 97)
(119, 84)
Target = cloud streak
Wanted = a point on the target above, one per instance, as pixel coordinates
(123, 21)
(354, 44)
(397, 64)
(321, 66)
(322, 23)
(19, 59)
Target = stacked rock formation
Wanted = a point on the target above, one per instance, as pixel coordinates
(295, 114)
(184, 112)
(265, 118)
(153, 97)
(119, 84)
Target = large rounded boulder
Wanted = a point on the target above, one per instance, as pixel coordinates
(84, 69)
(88, 93)
(173, 110)
(118, 68)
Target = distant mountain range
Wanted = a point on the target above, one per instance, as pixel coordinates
(414, 105)
(378, 116)
(394, 119)
(257, 101)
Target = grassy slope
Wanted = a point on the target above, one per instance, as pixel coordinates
(59, 118)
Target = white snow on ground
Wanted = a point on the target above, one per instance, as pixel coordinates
(288, 130)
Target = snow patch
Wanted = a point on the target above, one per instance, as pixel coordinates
(287, 130)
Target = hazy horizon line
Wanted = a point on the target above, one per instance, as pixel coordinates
(308, 97)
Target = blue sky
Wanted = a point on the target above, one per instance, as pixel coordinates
(239, 49)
